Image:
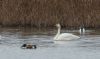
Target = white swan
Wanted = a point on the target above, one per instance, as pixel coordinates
(64, 36)
(82, 30)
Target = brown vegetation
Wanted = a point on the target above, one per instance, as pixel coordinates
(46, 13)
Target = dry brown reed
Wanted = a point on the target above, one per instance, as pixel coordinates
(46, 13)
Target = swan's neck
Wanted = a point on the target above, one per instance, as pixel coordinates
(58, 33)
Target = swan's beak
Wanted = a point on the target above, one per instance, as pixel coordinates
(57, 25)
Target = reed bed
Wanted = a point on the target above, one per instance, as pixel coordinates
(46, 13)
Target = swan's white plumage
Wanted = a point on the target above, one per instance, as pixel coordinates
(82, 30)
(64, 36)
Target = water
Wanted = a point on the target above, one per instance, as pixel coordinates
(87, 47)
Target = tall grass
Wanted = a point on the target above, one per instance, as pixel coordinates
(46, 13)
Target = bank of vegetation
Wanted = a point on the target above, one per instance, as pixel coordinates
(46, 13)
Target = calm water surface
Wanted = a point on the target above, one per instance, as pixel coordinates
(87, 47)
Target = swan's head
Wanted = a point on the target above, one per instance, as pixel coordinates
(58, 25)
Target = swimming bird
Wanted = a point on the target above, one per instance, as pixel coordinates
(28, 46)
(82, 30)
(64, 36)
